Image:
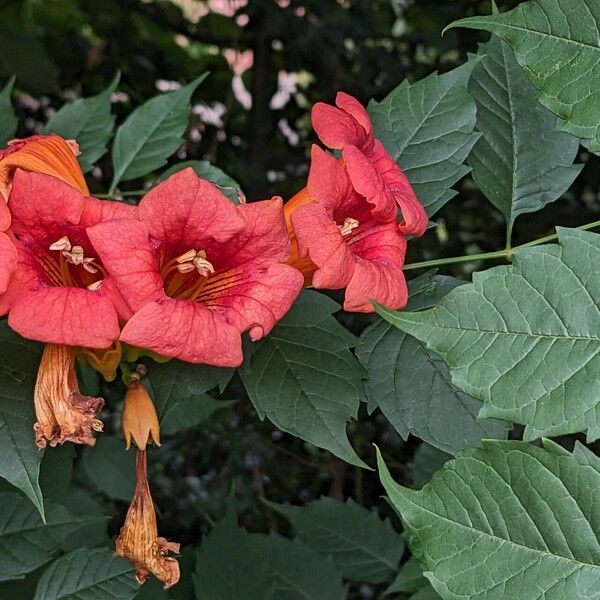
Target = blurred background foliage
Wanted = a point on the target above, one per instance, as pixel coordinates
(269, 62)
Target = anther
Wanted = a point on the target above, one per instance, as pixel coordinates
(93, 287)
(64, 244)
(348, 226)
(187, 257)
(203, 265)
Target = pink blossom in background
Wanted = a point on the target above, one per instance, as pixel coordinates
(227, 8)
(239, 62)
(241, 93)
(286, 86)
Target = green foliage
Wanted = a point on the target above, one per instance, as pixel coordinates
(8, 119)
(233, 564)
(151, 134)
(20, 464)
(510, 323)
(304, 378)
(89, 121)
(362, 546)
(190, 412)
(557, 42)
(521, 163)
(87, 574)
(410, 580)
(497, 512)
(428, 128)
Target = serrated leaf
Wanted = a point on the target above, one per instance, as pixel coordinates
(8, 118)
(412, 386)
(428, 128)
(20, 458)
(151, 134)
(109, 467)
(25, 541)
(521, 163)
(304, 378)
(233, 564)
(509, 521)
(363, 546)
(558, 44)
(204, 169)
(88, 575)
(175, 381)
(89, 121)
(191, 412)
(525, 338)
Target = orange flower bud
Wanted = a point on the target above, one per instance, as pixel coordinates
(301, 263)
(105, 361)
(48, 154)
(63, 414)
(138, 539)
(139, 420)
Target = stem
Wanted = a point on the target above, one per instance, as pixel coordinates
(506, 253)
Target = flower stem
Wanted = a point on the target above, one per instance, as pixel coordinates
(506, 253)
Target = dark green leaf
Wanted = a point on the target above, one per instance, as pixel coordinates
(525, 338)
(410, 580)
(8, 119)
(521, 163)
(204, 169)
(56, 471)
(304, 378)
(558, 44)
(89, 121)
(363, 546)
(426, 461)
(509, 521)
(88, 575)
(109, 467)
(151, 134)
(25, 541)
(191, 412)
(20, 457)
(428, 128)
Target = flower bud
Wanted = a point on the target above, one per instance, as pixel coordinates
(140, 421)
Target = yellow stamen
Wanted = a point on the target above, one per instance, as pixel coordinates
(348, 227)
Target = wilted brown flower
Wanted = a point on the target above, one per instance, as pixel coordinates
(63, 413)
(138, 540)
(139, 420)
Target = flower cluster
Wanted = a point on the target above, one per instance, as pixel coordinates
(184, 275)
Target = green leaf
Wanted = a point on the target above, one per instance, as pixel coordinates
(175, 381)
(363, 546)
(25, 541)
(109, 467)
(412, 387)
(558, 44)
(521, 163)
(151, 134)
(20, 458)
(56, 471)
(8, 118)
(428, 128)
(204, 169)
(509, 521)
(411, 580)
(304, 378)
(525, 338)
(233, 564)
(88, 575)
(89, 121)
(426, 461)
(191, 412)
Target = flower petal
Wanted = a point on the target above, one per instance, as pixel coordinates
(186, 209)
(353, 107)
(8, 260)
(185, 330)
(95, 211)
(42, 206)
(124, 248)
(378, 281)
(336, 128)
(5, 217)
(63, 315)
(328, 181)
(49, 154)
(319, 237)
